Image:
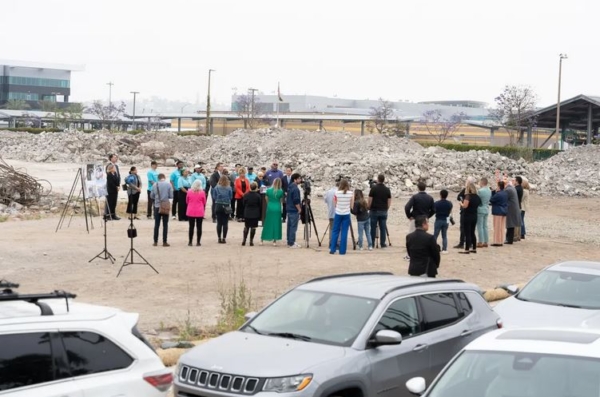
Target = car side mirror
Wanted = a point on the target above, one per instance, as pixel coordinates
(416, 386)
(386, 337)
(249, 315)
(512, 289)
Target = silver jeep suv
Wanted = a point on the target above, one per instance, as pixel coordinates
(347, 335)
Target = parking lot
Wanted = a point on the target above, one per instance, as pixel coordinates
(190, 279)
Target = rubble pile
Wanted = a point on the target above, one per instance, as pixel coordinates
(575, 172)
(322, 155)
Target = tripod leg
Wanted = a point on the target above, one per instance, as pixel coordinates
(144, 259)
(85, 211)
(387, 232)
(314, 224)
(324, 235)
(352, 234)
(64, 212)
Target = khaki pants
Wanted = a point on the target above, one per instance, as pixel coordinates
(499, 227)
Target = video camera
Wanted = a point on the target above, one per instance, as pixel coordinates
(306, 185)
(339, 178)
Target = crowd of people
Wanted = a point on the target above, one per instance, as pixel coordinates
(270, 198)
(508, 201)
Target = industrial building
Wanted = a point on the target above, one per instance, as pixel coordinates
(34, 82)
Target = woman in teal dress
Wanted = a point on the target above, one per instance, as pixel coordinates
(272, 224)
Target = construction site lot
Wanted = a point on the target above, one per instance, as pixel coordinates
(195, 283)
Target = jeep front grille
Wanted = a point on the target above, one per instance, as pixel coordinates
(219, 381)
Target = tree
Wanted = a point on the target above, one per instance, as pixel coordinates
(48, 106)
(16, 104)
(250, 109)
(382, 114)
(515, 111)
(64, 117)
(442, 128)
(106, 113)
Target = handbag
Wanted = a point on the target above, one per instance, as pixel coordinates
(164, 206)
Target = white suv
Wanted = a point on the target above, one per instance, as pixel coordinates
(50, 346)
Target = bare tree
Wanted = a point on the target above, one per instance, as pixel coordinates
(250, 109)
(381, 115)
(442, 128)
(106, 113)
(515, 111)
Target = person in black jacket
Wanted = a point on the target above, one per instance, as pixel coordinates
(420, 204)
(112, 188)
(423, 251)
(285, 182)
(361, 211)
(212, 182)
(252, 203)
(518, 181)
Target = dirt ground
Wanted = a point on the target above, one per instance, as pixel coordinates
(40, 259)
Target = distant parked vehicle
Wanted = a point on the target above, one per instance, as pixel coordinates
(53, 347)
(524, 362)
(565, 294)
(346, 335)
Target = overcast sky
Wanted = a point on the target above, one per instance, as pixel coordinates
(410, 49)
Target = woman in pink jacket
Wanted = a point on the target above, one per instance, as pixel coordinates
(196, 201)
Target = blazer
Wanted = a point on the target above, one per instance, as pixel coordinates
(112, 183)
(285, 184)
(252, 205)
(239, 193)
(196, 202)
(214, 179)
(424, 253)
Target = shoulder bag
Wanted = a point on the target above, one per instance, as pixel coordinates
(164, 206)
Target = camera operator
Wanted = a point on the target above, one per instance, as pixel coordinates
(293, 208)
(330, 202)
(380, 201)
(285, 182)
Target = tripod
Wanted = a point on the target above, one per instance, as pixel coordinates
(309, 220)
(104, 254)
(387, 233)
(129, 259)
(351, 235)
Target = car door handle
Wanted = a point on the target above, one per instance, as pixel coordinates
(466, 333)
(419, 348)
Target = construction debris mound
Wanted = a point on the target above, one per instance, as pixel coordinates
(321, 155)
(19, 187)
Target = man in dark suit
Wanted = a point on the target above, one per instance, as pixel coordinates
(212, 182)
(286, 181)
(423, 250)
(112, 160)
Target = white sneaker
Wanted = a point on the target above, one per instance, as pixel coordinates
(370, 248)
(294, 246)
(444, 252)
(174, 218)
(360, 248)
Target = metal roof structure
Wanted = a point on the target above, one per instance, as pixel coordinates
(41, 65)
(574, 113)
(345, 118)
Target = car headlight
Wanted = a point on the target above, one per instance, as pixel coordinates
(287, 384)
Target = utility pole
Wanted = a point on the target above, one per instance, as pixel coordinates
(134, 95)
(558, 131)
(251, 109)
(208, 125)
(110, 84)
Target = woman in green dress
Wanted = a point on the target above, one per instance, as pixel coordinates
(272, 224)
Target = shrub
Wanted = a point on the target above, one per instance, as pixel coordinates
(513, 152)
(34, 130)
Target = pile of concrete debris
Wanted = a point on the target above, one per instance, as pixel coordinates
(322, 155)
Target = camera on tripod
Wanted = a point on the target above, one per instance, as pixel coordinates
(306, 185)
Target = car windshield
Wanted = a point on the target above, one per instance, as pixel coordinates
(563, 289)
(314, 317)
(500, 374)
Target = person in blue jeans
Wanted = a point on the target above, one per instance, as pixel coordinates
(443, 210)
(344, 202)
(380, 200)
(361, 211)
(293, 210)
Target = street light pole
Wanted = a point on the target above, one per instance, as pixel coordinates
(110, 84)
(134, 95)
(560, 59)
(208, 129)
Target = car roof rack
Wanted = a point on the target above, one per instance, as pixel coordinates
(350, 275)
(8, 295)
(436, 281)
